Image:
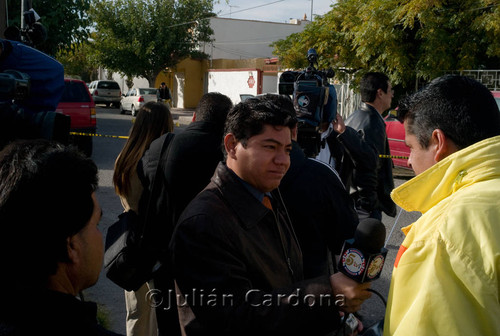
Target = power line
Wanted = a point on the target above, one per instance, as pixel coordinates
(246, 9)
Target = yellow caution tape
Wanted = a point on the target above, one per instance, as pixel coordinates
(99, 135)
(382, 156)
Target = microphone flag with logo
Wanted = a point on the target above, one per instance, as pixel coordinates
(363, 257)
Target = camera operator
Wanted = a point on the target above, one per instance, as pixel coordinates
(46, 75)
(31, 85)
(321, 210)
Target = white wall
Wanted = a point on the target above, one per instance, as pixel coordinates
(138, 82)
(232, 83)
(243, 39)
(270, 84)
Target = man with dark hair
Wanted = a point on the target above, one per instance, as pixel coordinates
(371, 189)
(446, 276)
(164, 92)
(196, 151)
(50, 246)
(236, 259)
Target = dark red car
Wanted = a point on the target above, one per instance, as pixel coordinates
(396, 136)
(496, 94)
(77, 103)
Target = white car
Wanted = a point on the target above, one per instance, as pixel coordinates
(105, 92)
(136, 98)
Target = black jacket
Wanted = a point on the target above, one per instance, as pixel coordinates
(192, 159)
(49, 313)
(160, 227)
(321, 210)
(228, 244)
(369, 123)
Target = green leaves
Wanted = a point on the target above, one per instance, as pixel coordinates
(141, 38)
(408, 39)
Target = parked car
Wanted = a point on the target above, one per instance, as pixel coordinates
(396, 136)
(136, 97)
(77, 103)
(106, 92)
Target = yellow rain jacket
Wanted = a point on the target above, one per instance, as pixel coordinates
(446, 278)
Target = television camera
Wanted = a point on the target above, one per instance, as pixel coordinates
(17, 123)
(314, 99)
(32, 35)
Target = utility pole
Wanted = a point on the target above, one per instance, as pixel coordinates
(312, 2)
(4, 21)
(25, 5)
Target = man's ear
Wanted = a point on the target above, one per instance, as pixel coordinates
(380, 92)
(72, 246)
(443, 146)
(230, 143)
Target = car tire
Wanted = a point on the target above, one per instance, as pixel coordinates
(132, 110)
(122, 111)
(107, 104)
(117, 105)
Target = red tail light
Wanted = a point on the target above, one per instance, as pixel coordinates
(96, 93)
(141, 99)
(93, 116)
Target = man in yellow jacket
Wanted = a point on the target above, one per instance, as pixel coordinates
(446, 277)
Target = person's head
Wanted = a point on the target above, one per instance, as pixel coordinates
(213, 107)
(153, 120)
(162, 84)
(257, 142)
(452, 112)
(376, 89)
(285, 103)
(48, 218)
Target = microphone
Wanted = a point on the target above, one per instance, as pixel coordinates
(363, 257)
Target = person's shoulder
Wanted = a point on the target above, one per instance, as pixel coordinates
(208, 202)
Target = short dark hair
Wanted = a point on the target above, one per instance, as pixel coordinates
(213, 107)
(461, 107)
(248, 118)
(370, 83)
(45, 197)
(284, 102)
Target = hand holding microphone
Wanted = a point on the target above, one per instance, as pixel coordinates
(361, 261)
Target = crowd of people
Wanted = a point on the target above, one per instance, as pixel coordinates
(249, 245)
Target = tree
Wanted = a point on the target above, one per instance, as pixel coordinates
(408, 39)
(79, 61)
(66, 21)
(141, 38)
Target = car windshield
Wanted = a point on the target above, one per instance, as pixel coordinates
(147, 91)
(108, 85)
(75, 92)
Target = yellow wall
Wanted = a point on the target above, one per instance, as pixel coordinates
(195, 72)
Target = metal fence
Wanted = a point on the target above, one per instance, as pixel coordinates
(348, 100)
(489, 78)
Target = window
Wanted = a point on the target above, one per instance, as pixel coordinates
(75, 92)
(148, 91)
(108, 85)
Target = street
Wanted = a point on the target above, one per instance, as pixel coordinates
(110, 297)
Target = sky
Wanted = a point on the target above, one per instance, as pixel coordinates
(271, 10)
